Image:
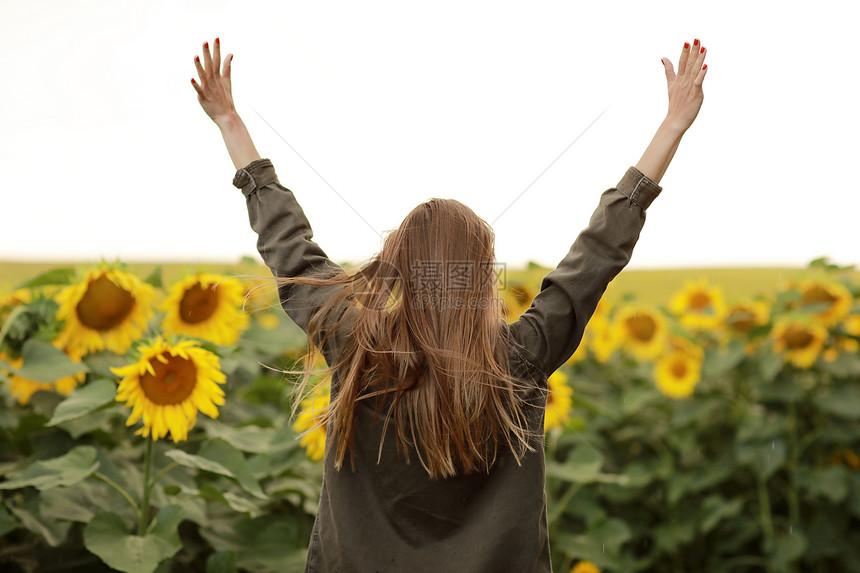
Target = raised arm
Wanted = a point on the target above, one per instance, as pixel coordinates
(284, 233)
(552, 328)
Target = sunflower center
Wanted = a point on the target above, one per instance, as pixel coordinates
(198, 304)
(104, 305)
(679, 369)
(642, 328)
(742, 320)
(818, 294)
(700, 301)
(173, 382)
(797, 337)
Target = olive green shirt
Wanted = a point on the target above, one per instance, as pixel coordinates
(391, 516)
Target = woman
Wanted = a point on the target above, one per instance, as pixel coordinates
(424, 366)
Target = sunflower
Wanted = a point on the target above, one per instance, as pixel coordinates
(699, 305)
(579, 354)
(558, 402)
(24, 388)
(313, 407)
(851, 325)
(801, 340)
(841, 343)
(206, 306)
(603, 339)
(835, 298)
(744, 315)
(603, 309)
(11, 300)
(517, 299)
(259, 294)
(677, 373)
(168, 385)
(642, 329)
(675, 344)
(585, 567)
(109, 309)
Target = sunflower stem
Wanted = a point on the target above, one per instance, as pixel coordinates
(119, 488)
(143, 515)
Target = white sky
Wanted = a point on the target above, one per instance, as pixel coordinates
(105, 151)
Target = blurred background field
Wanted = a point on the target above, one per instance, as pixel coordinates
(650, 286)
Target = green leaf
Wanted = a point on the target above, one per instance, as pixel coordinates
(769, 364)
(715, 508)
(198, 462)
(222, 453)
(66, 470)
(266, 543)
(82, 501)
(235, 502)
(96, 421)
(636, 399)
(7, 522)
(724, 359)
(611, 533)
(783, 389)
(843, 401)
(764, 459)
(253, 439)
(582, 466)
(44, 362)
(101, 363)
(107, 537)
(63, 276)
(84, 400)
(54, 532)
(831, 483)
(154, 278)
(221, 562)
(787, 549)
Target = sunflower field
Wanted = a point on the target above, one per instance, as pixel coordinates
(146, 426)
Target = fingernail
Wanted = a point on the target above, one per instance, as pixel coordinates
(662, 62)
(192, 81)
(196, 58)
(686, 45)
(217, 41)
(702, 50)
(705, 67)
(696, 42)
(206, 44)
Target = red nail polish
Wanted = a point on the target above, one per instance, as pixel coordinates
(206, 45)
(686, 45)
(217, 41)
(196, 58)
(192, 81)
(702, 51)
(705, 67)
(662, 62)
(696, 42)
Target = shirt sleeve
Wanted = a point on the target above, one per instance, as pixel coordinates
(552, 328)
(286, 245)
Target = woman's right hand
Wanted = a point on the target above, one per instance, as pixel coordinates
(215, 90)
(685, 88)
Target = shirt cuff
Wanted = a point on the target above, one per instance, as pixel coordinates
(638, 188)
(256, 174)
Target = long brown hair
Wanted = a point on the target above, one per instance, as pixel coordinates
(427, 341)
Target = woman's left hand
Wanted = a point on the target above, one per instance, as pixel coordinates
(214, 90)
